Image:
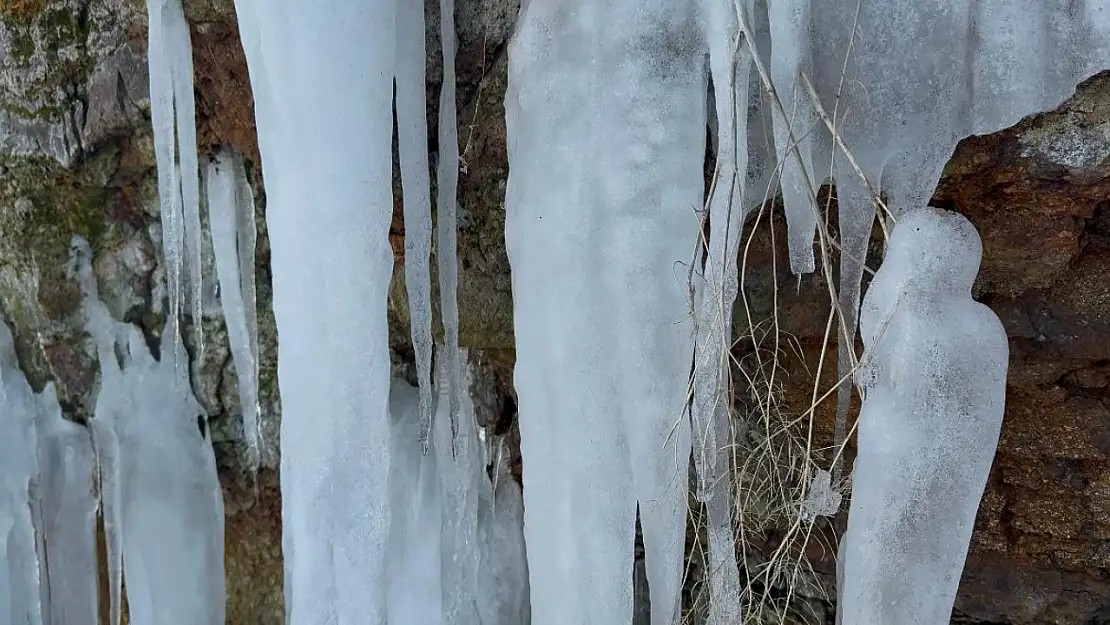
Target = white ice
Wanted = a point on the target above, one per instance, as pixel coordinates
(66, 505)
(20, 411)
(412, 149)
(163, 505)
(447, 180)
(416, 588)
(322, 76)
(231, 221)
(934, 386)
(170, 61)
(606, 132)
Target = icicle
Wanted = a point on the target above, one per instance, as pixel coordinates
(710, 409)
(67, 504)
(447, 209)
(790, 26)
(230, 214)
(412, 146)
(462, 478)
(162, 111)
(504, 591)
(606, 131)
(162, 500)
(416, 573)
(19, 569)
(934, 384)
(171, 95)
(322, 76)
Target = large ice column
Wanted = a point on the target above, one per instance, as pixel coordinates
(933, 380)
(412, 150)
(322, 75)
(66, 506)
(19, 568)
(163, 505)
(172, 113)
(232, 225)
(606, 125)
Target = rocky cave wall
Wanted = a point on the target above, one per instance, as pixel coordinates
(77, 158)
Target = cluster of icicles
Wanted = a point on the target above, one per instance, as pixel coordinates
(622, 311)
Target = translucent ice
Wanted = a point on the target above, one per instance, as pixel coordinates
(934, 386)
(606, 132)
(231, 220)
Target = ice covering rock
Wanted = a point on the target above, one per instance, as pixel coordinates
(163, 506)
(232, 225)
(322, 76)
(933, 379)
(412, 150)
(606, 133)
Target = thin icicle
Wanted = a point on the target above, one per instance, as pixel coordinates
(67, 505)
(462, 478)
(180, 57)
(447, 180)
(228, 217)
(412, 146)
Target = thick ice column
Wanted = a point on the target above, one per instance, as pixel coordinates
(606, 119)
(66, 503)
(322, 75)
(934, 384)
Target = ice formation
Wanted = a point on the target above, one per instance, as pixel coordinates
(66, 504)
(172, 115)
(20, 414)
(162, 503)
(322, 76)
(412, 150)
(934, 385)
(232, 225)
(606, 133)
(447, 179)
(456, 547)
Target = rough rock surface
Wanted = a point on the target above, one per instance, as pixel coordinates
(76, 158)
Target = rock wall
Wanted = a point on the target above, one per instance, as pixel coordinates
(77, 158)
